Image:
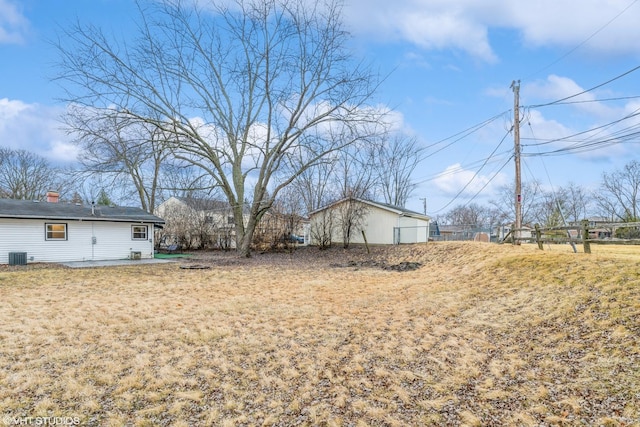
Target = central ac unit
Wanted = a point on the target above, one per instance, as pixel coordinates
(17, 258)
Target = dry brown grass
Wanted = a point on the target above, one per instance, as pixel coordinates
(479, 335)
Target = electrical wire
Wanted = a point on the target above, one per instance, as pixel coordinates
(496, 158)
(465, 133)
(601, 128)
(585, 41)
(588, 90)
(486, 183)
(620, 98)
(475, 175)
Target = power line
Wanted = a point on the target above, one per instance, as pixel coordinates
(628, 134)
(584, 41)
(588, 90)
(620, 98)
(475, 175)
(489, 160)
(462, 134)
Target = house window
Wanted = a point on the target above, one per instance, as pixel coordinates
(55, 231)
(139, 232)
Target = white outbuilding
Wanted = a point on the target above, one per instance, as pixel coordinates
(378, 223)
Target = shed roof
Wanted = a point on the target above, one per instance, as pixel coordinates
(392, 208)
(31, 209)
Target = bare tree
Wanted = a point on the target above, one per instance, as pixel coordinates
(349, 216)
(196, 223)
(316, 186)
(248, 90)
(396, 160)
(505, 206)
(128, 153)
(472, 215)
(619, 193)
(281, 226)
(322, 228)
(550, 208)
(26, 175)
(577, 202)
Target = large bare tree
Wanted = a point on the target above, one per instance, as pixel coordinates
(249, 90)
(130, 154)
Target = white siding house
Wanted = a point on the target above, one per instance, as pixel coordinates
(382, 224)
(61, 232)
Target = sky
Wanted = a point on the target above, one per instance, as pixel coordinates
(449, 67)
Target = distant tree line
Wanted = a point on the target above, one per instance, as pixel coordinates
(617, 199)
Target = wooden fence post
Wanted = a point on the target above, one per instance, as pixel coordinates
(366, 244)
(539, 237)
(585, 236)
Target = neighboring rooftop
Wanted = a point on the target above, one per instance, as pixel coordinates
(31, 209)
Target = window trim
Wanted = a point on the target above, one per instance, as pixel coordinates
(133, 232)
(47, 232)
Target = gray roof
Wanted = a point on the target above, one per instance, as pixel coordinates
(201, 204)
(29, 209)
(397, 209)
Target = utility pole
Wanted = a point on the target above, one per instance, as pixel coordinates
(424, 204)
(515, 85)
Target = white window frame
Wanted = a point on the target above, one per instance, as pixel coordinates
(134, 232)
(49, 232)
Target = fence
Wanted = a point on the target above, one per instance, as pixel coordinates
(601, 234)
(463, 233)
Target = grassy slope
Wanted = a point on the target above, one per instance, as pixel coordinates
(480, 335)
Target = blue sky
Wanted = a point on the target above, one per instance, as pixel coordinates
(451, 64)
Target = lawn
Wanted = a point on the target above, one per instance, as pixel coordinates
(476, 335)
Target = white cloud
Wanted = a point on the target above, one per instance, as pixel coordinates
(544, 135)
(13, 24)
(566, 23)
(437, 24)
(35, 128)
(597, 26)
(556, 88)
(455, 178)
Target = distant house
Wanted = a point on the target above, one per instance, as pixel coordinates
(503, 232)
(211, 211)
(197, 223)
(193, 222)
(49, 231)
(382, 224)
(598, 228)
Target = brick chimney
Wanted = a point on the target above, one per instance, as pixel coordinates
(53, 196)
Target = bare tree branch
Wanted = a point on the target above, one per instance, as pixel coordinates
(243, 89)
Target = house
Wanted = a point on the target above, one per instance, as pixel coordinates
(48, 231)
(193, 222)
(197, 223)
(382, 224)
(503, 232)
(599, 228)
